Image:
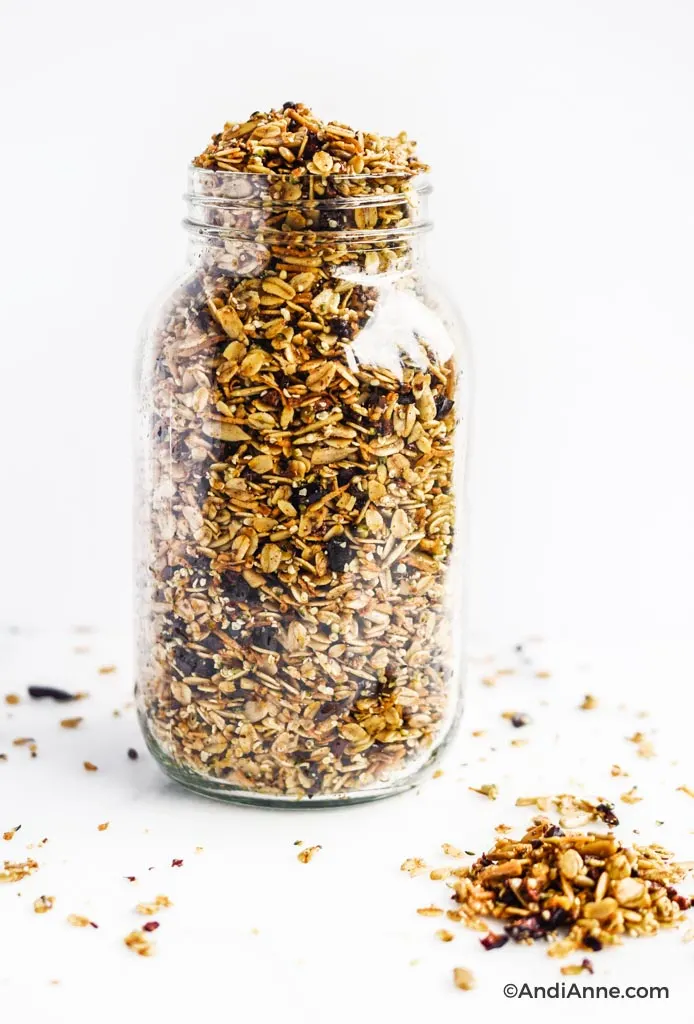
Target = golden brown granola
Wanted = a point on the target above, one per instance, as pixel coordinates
(589, 702)
(151, 908)
(307, 855)
(574, 812)
(139, 943)
(16, 871)
(588, 884)
(301, 490)
(463, 978)
(43, 904)
(293, 141)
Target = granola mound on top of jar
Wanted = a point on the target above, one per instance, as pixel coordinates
(300, 409)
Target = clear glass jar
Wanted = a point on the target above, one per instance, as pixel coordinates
(303, 396)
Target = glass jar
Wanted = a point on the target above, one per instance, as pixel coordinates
(302, 433)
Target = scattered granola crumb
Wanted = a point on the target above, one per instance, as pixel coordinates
(543, 675)
(12, 698)
(437, 874)
(479, 732)
(517, 718)
(644, 747)
(414, 866)
(488, 681)
(450, 850)
(78, 921)
(43, 904)
(575, 812)
(106, 670)
(308, 854)
(103, 826)
(585, 965)
(463, 978)
(616, 771)
(89, 767)
(444, 935)
(158, 903)
(686, 789)
(589, 703)
(631, 796)
(11, 833)
(437, 774)
(16, 871)
(431, 911)
(71, 723)
(490, 791)
(139, 943)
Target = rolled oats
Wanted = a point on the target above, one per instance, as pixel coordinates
(299, 474)
(589, 886)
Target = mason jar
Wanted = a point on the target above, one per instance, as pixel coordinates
(302, 431)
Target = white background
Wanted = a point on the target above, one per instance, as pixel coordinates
(563, 158)
(560, 137)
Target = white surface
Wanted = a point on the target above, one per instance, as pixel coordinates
(559, 133)
(336, 937)
(563, 156)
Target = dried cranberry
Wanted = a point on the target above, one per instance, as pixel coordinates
(213, 643)
(340, 328)
(133, 754)
(590, 942)
(551, 832)
(191, 664)
(443, 406)
(330, 707)
(607, 814)
(339, 554)
(493, 941)
(265, 637)
(345, 474)
(311, 493)
(235, 586)
(376, 396)
(62, 696)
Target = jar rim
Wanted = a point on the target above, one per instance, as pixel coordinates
(210, 187)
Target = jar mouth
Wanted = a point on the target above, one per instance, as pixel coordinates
(352, 208)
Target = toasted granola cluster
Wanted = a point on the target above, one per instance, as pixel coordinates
(292, 140)
(588, 885)
(301, 476)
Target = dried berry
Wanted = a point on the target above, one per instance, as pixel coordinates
(339, 554)
(62, 696)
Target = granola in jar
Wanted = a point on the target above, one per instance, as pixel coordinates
(302, 441)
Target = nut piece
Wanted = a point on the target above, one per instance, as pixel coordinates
(463, 978)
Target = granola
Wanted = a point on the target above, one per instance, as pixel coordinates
(590, 885)
(301, 405)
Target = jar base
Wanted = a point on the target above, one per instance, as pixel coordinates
(225, 792)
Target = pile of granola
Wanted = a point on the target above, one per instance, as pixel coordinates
(587, 884)
(295, 641)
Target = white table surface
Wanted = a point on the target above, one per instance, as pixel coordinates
(256, 935)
